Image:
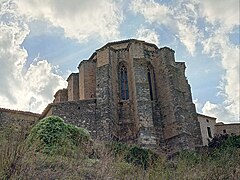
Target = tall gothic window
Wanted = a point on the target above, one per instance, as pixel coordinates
(149, 75)
(124, 83)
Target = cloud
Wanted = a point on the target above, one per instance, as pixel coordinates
(185, 15)
(219, 45)
(224, 11)
(188, 34)
(219, 111)
(22, 88)
(180, 20)
(80, 20)
(148, 35)
(196, 24)
(224, 17)
(152, 11)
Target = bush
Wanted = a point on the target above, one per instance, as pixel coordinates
(52, 136)
(232, 141)
(133, 154)
(225, 141)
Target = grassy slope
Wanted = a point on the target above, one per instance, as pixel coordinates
(18, 162)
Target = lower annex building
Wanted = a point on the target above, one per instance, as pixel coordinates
(131, 91)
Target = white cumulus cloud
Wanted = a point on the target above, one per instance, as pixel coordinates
(152, 11)
(219, 111)
(180, 19)
(80, 20)
(148, 35)
(219, 45)
(224, 11)
(185, 16)
(20, 87)
(224, 17)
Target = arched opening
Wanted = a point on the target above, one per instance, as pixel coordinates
(151, 82)
(124, 91)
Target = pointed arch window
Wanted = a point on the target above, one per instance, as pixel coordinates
(124, 83)
(149, 76)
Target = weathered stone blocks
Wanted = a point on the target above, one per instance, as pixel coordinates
(158, 112)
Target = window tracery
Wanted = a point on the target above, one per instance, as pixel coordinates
(124, 91)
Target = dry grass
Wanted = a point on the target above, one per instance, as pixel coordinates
(18, 162)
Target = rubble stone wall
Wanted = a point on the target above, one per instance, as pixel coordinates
(159, 112)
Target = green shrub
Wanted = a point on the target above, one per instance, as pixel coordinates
(139, 156)
(133, 154)
(232, 141)
(117, 148)
(52, 136)
(225, 141)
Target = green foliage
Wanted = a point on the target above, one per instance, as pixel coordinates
(56, 152)
(139, 156)
(52, 136)
(232, 141)
(118, 148)
(133, 154)
(78, 135)
(225, 141)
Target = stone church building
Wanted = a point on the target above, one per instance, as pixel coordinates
(131, 91)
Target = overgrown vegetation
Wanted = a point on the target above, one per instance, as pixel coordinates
(52, 136)
(12, 136)
(133, 154)
(224, 141)
(56, 150)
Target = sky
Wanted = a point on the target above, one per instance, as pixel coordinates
(42, 42)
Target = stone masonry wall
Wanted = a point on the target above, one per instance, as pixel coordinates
(104, 93)
(124, 120)
(87, 79)
(73, 87)
(90, 79)
(228, 129)
(21, 121)
(151, 56)
(61, 96)
(81, 80)
(179, 113)
(8, 116)
(79, 113)
(167, 119)
(191, 120)
(144, 104)
(205, 123)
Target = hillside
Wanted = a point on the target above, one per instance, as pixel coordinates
(53, 149)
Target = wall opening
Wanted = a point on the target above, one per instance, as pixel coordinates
(209, 132)
(124, 91)
(150, 83)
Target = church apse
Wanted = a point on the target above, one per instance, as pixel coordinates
(138, 94)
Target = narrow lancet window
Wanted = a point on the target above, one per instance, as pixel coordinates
(124, 83)
(150, 83)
